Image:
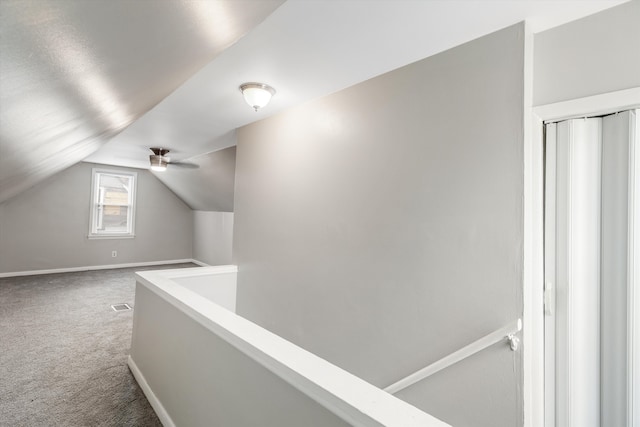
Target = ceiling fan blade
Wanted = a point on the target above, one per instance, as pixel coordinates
(161, 154)
(184, 165)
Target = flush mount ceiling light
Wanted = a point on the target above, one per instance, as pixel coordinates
(257, 95)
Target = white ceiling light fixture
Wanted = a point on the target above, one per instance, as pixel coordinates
(257, 95)
(158, 160)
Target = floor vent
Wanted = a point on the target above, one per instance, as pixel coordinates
(121, 307)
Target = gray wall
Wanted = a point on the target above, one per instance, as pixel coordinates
(212, 237)
(381, 227)
(46, 227)
(201, 380)
(594, 55)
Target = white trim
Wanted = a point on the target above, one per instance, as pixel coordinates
(95, 267)
(179, 273)
(633, 277)
(596, 105)
(502, 334)
(162, 413)
(200, 263)
(550, 284)
(533, 343)
(351, 398)
(131, 212)
(533, 265)
(110, 236)
(533, 277)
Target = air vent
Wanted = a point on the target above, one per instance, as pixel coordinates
(120, 307)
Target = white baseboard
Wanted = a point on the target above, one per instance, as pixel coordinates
(100, 267)
(162, 413)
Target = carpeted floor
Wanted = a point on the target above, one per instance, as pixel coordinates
(63, 351)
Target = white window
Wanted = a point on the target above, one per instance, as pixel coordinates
(113, 196)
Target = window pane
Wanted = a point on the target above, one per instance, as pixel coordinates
(114, 190)
(114, 219)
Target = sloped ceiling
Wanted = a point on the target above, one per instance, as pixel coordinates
(208, 188)
(75, 73)
(104, 80)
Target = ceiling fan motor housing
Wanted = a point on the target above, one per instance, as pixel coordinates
(159, 151)
(158, 160)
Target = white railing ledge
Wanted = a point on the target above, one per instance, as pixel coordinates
(351, 398)
(175, 273)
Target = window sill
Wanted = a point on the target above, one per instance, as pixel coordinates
(110, 236)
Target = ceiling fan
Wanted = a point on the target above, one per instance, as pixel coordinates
(159, 160)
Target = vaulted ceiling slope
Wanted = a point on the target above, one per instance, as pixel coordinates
(75, 74)
(210, 187)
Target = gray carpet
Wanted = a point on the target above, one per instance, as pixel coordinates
(63, 351)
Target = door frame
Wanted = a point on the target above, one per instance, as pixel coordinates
(533, 277)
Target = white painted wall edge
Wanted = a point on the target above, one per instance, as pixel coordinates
(533, 333)
(349, 397)
(162, 413)
(100, 267)
(533, 366)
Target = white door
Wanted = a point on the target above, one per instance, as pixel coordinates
(591, 263)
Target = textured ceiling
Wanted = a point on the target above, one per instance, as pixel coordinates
(104, 80)
(75, 73)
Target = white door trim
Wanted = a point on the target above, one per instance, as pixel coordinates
(633, 277)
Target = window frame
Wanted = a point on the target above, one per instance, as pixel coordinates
(94, 233)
